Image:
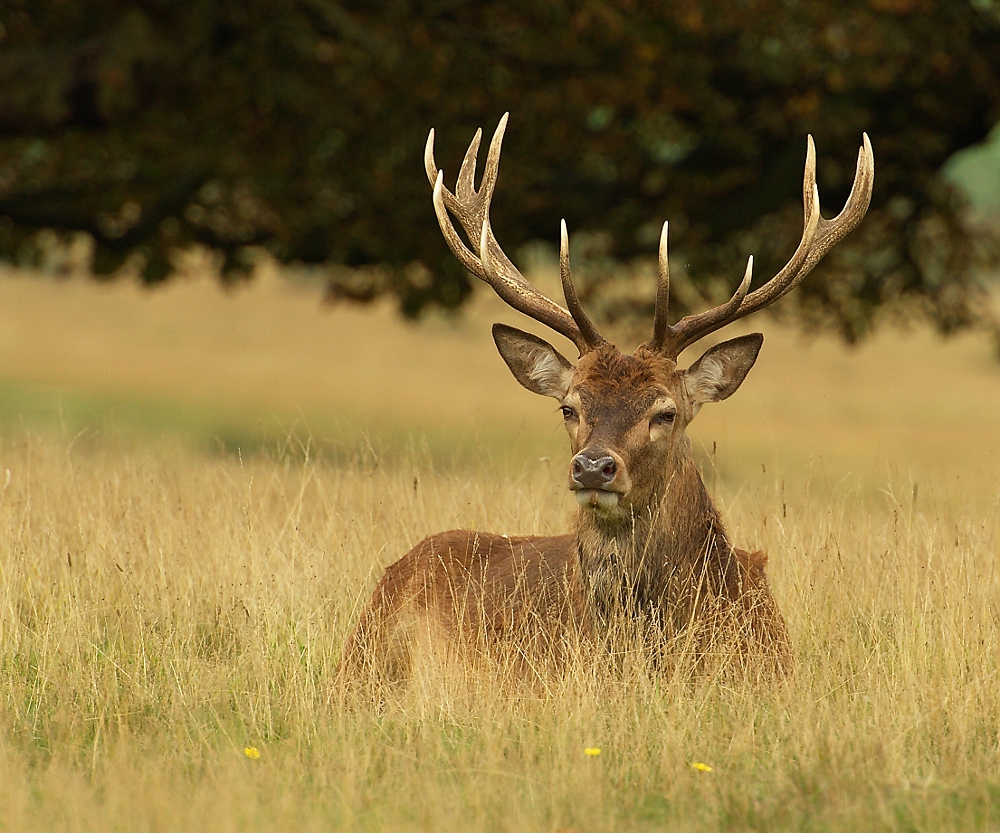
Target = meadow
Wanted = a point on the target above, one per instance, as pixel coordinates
(199, 487)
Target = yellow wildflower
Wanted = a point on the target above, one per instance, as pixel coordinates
(252, 752)
(701, 767)
(592, 751)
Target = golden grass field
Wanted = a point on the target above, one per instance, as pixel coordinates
(198, 488)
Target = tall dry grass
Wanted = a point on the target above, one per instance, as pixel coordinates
(161, 611)
(163, 607)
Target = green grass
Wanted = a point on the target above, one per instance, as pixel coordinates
(86, 417)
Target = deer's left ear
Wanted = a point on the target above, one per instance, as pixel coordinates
(722, 369)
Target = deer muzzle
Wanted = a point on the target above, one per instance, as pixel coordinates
(598, 477)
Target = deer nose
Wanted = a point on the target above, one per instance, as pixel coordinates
(593, 468)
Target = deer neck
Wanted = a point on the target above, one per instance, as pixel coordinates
(653, 555)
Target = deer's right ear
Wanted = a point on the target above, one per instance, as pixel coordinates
(534, 362)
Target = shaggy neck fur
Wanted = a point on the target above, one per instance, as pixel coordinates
(665, 552)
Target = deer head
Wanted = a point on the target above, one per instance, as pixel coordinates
(626, 415)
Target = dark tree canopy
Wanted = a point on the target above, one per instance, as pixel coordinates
(299, 126)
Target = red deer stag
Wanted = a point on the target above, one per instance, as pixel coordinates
(649, 544)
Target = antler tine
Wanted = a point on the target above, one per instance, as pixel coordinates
(465, 185)
(587, 328)
(809, 189)
(430, 166)
(819, 235)
(677, 338)
(488, 262)
(827, 232)
(458, 248)
(661, 309)
(493, 162)
(833, 231)
(720, 315)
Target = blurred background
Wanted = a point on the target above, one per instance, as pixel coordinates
(215, 220)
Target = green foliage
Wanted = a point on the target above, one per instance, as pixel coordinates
(298, 126)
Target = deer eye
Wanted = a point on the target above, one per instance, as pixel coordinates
(567, 412)
(663, 418)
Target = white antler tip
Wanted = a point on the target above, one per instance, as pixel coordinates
(867, 152)
(494, 153)
(563, 234)
(438, 195)
(429, 164)
(501, 128)
(663, 241)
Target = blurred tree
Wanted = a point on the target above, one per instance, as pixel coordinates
(299, 125)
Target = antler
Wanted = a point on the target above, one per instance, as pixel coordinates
(819, 235)
(489, 263)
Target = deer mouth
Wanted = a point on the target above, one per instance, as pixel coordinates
(599, 479)
(601, 500)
